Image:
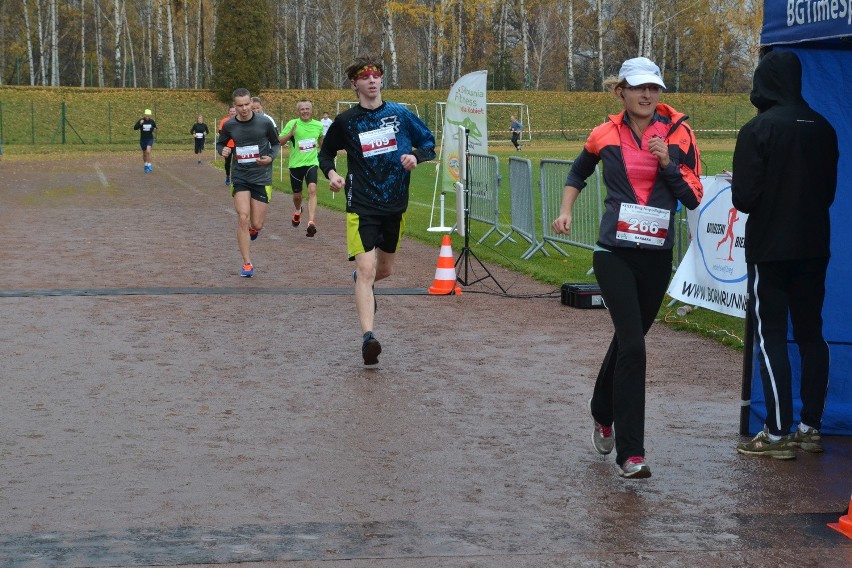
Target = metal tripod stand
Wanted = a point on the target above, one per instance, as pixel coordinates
(466, 253)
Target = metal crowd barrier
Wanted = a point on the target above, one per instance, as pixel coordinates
(483, 182)
(522, 202)
(587, 212)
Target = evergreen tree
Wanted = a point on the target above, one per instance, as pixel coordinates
(242, 57)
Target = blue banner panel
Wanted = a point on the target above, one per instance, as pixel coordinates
(796, 21)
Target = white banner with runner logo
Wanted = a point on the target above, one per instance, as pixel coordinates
(713, 272)
(465, 107)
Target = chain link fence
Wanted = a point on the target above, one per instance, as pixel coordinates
(93, 120)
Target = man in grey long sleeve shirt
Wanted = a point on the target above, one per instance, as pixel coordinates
(256, 145)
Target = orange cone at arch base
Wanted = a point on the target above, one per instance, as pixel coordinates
(445, 273)
(844, 524)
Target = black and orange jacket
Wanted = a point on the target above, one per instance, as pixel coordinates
(679, 181)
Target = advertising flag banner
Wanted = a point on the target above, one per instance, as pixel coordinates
(713, 272)
(465, 107)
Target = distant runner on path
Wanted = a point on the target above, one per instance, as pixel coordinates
(146, 127)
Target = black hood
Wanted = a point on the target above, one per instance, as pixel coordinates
(777, 80)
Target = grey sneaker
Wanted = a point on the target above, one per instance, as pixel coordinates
(602, 437)
(635, 467)
(809, 440)
(762, 445)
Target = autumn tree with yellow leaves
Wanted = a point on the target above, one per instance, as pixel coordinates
(705, 46)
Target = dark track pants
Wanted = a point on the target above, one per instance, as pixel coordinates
(633, 283)
(796, 288)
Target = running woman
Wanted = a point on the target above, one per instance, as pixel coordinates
(384, 142)
(199, 133)
(650, 162)
(255, 147)
(146, 127)
(305, 136)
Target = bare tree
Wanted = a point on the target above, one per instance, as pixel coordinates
(199, 44)
(569, 42)
(391, 43)
(185, 35)
(601, 69)
(42, 47)
(334, 35)
(119, 64)
(316, 55)
(286, 49)
(356, 37)
(54, 44)
(541, 40)
(647, 8)
(301, 11)
(82, 43)
(29, 42)
(525, 39)
(160, 49)
(431, 42)
(173, 83)
(99, 52)
(129, 40)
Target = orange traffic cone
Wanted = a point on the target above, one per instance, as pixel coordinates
(844, 524)
(445, 274)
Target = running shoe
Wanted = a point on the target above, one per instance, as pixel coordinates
(763, 445)
(635, 467)
(253, 233)
(297, 218)
(370, 350)
(247, 271)
(227, 180)
(312, 229)
(602, 437)
(810, 440)
(145, 169)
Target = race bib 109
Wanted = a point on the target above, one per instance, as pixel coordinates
(379, 141)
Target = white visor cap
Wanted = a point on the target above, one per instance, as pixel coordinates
(641, 71)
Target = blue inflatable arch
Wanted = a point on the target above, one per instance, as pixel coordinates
(820, 33)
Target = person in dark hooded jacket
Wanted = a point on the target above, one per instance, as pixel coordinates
(785, 177)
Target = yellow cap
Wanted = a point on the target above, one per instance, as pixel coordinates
(148, 111)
